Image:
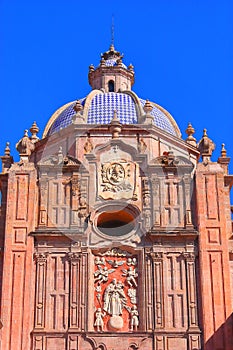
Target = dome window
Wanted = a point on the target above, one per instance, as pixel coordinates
(111, 86)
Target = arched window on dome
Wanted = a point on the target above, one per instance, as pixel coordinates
(111, 86)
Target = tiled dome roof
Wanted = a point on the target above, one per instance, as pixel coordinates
(113, 62)
(101, 109)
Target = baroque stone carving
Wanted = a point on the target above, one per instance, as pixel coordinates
(99, 323)
(117, 180)
(131, 275)
(101, 275)
(134, 321)
(115, 252)
(115, 292)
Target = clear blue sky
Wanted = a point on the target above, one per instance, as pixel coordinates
(182, 51)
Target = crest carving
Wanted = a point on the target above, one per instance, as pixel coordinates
(117, 180)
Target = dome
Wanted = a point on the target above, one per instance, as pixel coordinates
(111, 83)
(98, 108)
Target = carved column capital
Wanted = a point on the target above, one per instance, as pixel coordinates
(74, 256)
(189, 256)
(40, 257)
(156, 256)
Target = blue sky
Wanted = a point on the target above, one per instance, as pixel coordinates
(181, 49)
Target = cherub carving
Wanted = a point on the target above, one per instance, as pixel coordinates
(132, 261)
(131, 276)
(101, 275)
(99, 261)
(115, 263)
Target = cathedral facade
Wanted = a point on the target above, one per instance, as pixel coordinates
(115, 232)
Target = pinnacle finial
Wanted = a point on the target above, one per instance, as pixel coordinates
(206, 147)
(25, 146)
(190, 131)
(223, 151)
(78, 106)
(115, 126)
(34, 130)
(7, 149)
(148, 107)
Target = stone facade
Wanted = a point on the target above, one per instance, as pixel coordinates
(115, 236)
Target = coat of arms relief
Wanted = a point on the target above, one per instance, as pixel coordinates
(117, 180)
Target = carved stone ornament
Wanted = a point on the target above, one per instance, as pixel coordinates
(117, 180)
(25, 146)
(115, 252)
(115, 293)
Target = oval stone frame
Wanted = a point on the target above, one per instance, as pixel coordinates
(116, 221)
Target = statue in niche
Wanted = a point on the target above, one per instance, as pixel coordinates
(101, 275)
(99, 323)
(114, 298)
(134, 321)
(131, 276)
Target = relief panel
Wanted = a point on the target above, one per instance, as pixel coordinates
(116, 293)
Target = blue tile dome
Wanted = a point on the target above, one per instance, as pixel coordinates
(113, 62)
(100, 109)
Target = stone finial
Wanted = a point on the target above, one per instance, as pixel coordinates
(34, 131)
(223, 151)
(223, 160)
(7, 149)
(131, 67)
(78, 117)
(148, 107)
(7, 159)
(190, 131)
(91, 68)
(102, 62)
(78, 106)
(25, 146)
(115, 126)
(206, 147)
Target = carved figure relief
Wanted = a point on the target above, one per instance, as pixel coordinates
(117, 180)
(134, 322)
(99, 323)
(115, 291)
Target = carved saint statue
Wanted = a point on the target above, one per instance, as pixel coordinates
(99, 323)
(114, 298)
(134, 322)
